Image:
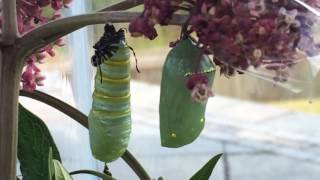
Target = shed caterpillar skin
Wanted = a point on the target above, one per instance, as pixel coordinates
(110, 116)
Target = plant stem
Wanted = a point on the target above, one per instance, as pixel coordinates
(9, 22)
(183, 8)
(94, 173)
(83, 120)
(57, 104)
(226, 165)
(135, 166)
(124, 5)
(51, 31)
(9, 83)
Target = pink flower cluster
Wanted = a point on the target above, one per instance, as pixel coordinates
(256, 33)
(199, 87)
(272, 34)
(30, 14)
(31, 77)
(155, 12)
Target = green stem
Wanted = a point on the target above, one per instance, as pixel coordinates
(59, 105)
(47, 33)
(94, 173)
(9, 83)
(9, 22)
(135, 166)
(83, 120)
(124, 5)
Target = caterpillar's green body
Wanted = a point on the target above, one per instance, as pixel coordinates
(109, 118)
(181, 119)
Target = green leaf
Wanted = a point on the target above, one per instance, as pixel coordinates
(56, 169)
(34, 143)
(205, 172)
(60, 173)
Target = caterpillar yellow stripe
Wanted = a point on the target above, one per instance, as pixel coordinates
(110, 117)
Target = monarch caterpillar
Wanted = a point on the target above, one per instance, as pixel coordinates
(181, 119)
(110, 118)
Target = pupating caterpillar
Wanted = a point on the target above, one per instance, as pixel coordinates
(110, 117)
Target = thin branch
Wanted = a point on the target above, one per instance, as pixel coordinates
(94, 173)
(59, 105)
(226, 163)
(83, 120)
(52, 28)
(124, 5)
(135, 166)
(9, 22)
(47, 33)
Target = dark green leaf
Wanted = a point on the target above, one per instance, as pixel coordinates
(205, 172)
(34, 143)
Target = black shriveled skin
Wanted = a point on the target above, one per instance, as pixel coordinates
(106, 46)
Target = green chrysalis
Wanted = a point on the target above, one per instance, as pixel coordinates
(181, 119)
